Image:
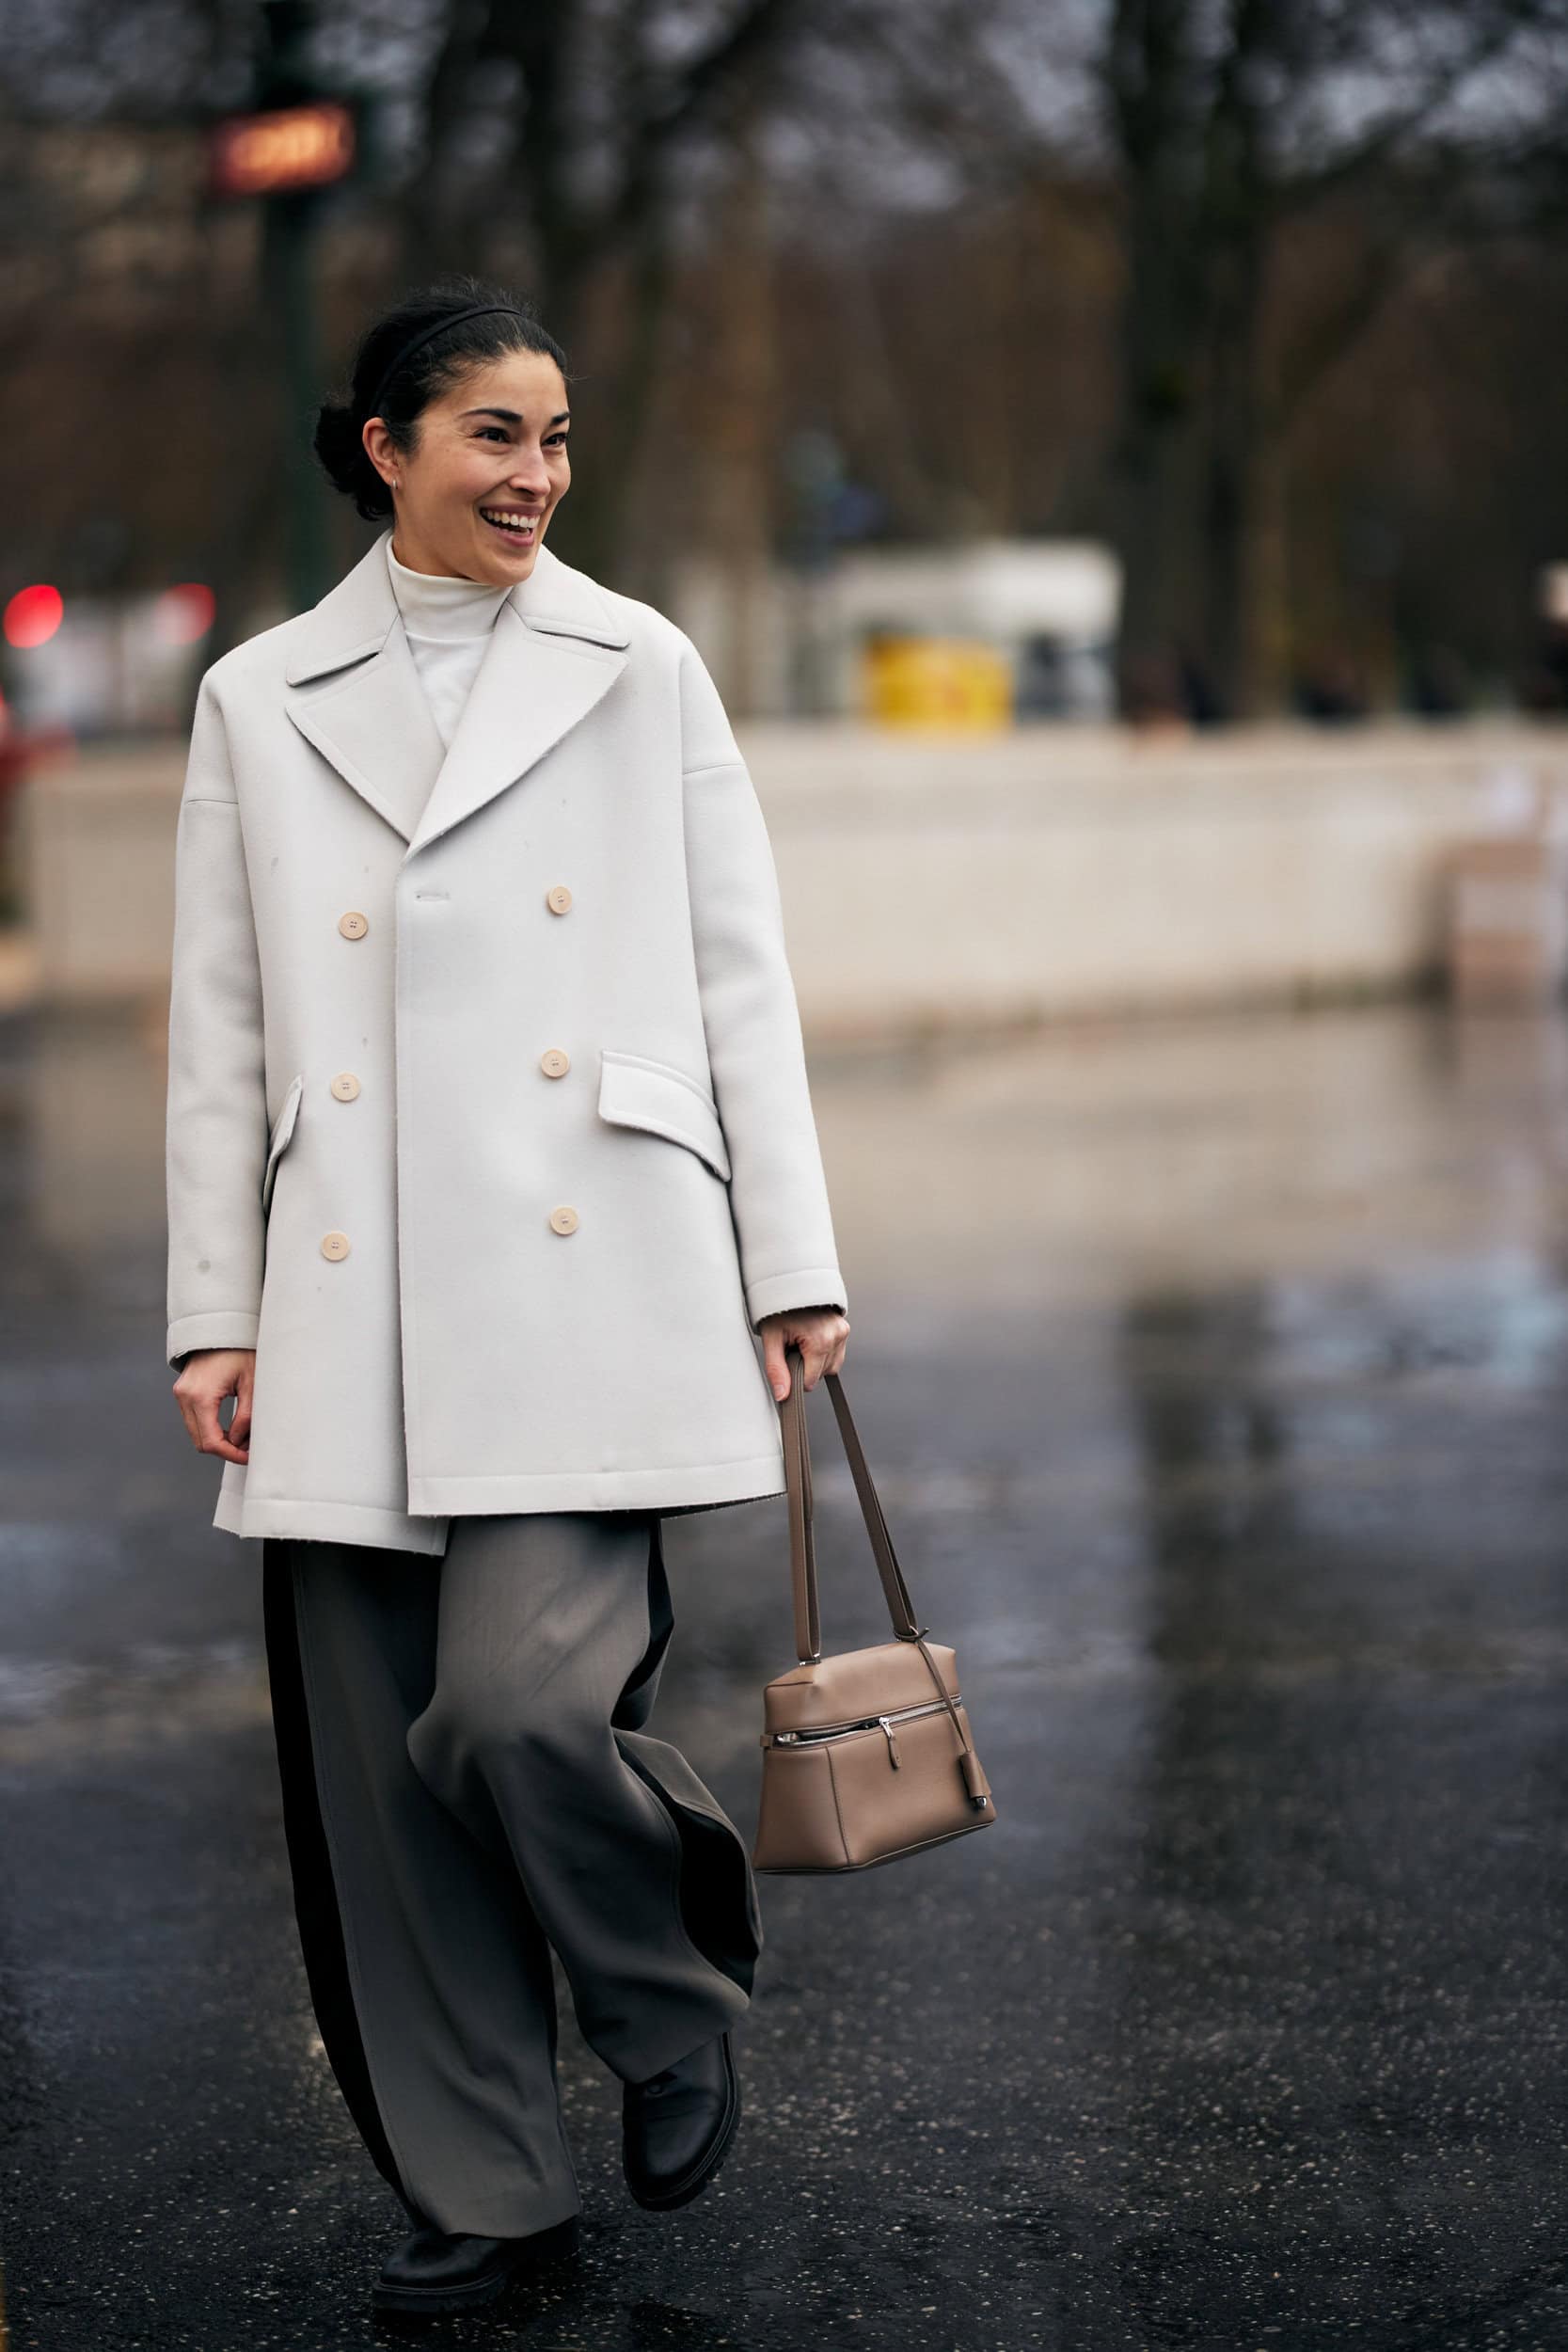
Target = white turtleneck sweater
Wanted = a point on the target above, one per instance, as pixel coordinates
(447, 624)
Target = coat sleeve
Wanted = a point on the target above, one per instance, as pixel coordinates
(778, 1192)
(215, 1134)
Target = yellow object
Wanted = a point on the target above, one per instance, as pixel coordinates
(938, 682)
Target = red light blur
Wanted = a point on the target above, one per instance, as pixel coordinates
(33, 615)
(183, 613)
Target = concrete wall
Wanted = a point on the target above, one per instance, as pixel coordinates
(929, 882)
(1067, 872)
(96, 839)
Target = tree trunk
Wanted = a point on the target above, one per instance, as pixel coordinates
(1150, 72)
(1236, 232)
(739, 521)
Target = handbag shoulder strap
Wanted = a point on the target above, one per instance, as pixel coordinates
(803, 1543)
(803, 1547)
(802, 1551)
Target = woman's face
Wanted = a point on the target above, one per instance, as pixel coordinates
(492, 445)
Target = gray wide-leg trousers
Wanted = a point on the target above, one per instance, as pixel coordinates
(467, 1783)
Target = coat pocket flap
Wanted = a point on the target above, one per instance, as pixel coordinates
(282, 1128)
(637, 1092)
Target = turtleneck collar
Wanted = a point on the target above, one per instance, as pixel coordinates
(434, 604)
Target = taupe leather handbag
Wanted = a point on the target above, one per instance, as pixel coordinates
(867, 1754)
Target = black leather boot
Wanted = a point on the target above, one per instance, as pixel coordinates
(432, 2272)
(677, 2125)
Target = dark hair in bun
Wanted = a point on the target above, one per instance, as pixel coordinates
(430, 370)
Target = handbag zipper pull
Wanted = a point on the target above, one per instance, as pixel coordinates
(892, 1742)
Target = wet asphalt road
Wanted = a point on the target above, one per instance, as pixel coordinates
(1214, 1376)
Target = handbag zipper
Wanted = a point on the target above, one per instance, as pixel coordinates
(870, 1723)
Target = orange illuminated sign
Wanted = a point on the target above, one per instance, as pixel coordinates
(294, 146)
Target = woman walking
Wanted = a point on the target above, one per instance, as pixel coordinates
(491, 1162)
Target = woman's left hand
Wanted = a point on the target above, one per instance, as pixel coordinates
(821, 1333)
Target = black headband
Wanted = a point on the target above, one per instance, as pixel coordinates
(416, 342)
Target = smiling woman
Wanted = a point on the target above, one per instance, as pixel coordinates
(496, 1298)
(458, 423)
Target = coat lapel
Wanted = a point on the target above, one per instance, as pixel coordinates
(529, 690)
(375, 726)
(555, 650)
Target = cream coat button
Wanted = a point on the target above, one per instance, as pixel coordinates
(554, 1064)
(564, 1220)
(354, 925)
(334, 1245)
(345, 1086)
(558, 899)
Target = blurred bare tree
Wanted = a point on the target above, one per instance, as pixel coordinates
(551, 145)
(1270, 293)
(556, 141)
(1419, 128)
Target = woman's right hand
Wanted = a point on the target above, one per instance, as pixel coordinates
(206, 1377)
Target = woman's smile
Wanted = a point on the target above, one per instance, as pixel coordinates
(520, 526)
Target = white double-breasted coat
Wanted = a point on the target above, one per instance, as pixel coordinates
(488, 1123)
